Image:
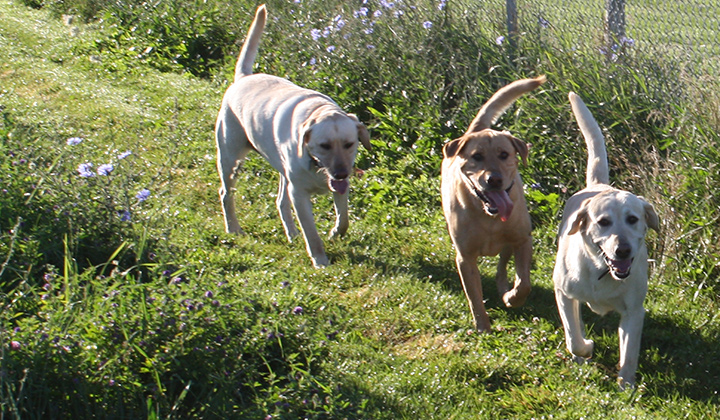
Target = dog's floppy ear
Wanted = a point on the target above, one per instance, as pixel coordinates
(452, 148)
(363, 133)
(304, 136)
(578, 220)
(520, 146)
(651, 217)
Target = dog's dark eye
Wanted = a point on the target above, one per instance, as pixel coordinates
(325, 146)
(604, 222)
(504, 155)
(478, 157)
(349, 145)
(631, 220)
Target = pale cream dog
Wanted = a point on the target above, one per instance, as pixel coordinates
(602, 256)
(302, 133)
(484, 205)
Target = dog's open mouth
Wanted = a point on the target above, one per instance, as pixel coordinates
(339, 186)
(620, 269)
(498, 203)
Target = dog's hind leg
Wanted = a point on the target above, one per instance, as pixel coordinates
(342, 221)
(501, 276)
(284, 206)
(516, 296)
(232, 147)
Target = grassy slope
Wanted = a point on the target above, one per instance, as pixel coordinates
(392, 294)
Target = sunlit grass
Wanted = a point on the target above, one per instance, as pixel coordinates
(161, 314)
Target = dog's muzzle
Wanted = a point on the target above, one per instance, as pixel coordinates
(495, 202)
(619, 269)
(336, 182)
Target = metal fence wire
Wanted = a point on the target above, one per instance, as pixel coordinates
(682, 37)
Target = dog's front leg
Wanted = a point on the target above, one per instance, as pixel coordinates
(629, 332)
(341, 215)
(314, 245)
(283, 204)
(575, 340)
(472, 284)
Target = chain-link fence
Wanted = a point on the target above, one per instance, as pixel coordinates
(681, 37)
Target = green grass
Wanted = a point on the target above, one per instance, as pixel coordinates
(165, 316)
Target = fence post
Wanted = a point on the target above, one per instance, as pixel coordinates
(614, 23)
(511, 12)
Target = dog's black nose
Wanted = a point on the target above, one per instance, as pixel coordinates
(623, 251)
(494, 180)
(340, 173)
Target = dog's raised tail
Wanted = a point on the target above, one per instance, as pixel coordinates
(246, 59)
(597, 167)
(501, 101)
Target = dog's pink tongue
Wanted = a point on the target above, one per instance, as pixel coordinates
(339, 186)
(501, 201)
(621, 266)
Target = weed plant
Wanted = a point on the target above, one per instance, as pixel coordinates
(122, 298)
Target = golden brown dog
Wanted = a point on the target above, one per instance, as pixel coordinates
(483, 202)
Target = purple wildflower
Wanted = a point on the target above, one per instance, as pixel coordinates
(315, 34)
(427, 24)
(339, 22)
(625, 41)
(85, 170)
(124, 215)
(73, 141)
(143, 194)
(331, 48)
(499, 40)
(105, 169)
(125, 154)
(363, 11)
(298, 310)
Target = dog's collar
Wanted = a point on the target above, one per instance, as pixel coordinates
(602, 255)
(314, 162)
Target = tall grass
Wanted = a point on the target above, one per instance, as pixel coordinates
(122, 298)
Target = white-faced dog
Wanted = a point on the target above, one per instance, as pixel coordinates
(602, 256)
(302, 133)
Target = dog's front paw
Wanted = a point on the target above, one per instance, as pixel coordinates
(321, 262)
(625, 384)
(582, 348)
(579, 360)
(516, 297)
(626, 378)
